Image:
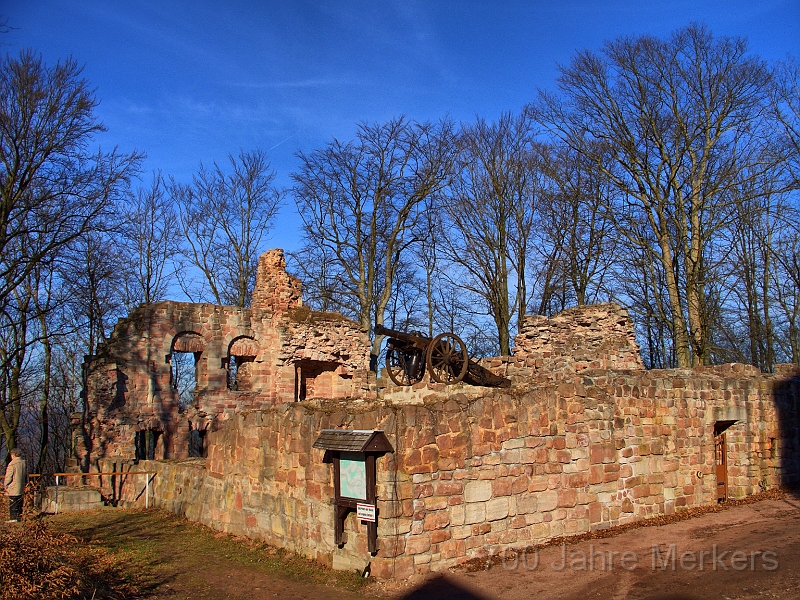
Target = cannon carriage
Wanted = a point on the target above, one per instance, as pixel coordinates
(410, 355)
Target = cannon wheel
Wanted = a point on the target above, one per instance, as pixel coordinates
(399, 368)
(447, 358)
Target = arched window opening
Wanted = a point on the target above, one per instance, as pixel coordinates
(183, 374)
(241, 357)
(186, 351)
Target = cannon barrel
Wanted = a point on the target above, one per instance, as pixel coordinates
(401, 335)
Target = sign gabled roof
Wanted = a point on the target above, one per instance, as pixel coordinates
(353, 440)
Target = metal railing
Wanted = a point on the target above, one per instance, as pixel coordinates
(81, 475)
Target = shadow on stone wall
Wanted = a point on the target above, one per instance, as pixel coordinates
(479, 375)
(787, 402)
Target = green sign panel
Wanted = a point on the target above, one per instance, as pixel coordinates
(353, 475)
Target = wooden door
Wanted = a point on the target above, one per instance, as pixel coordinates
(721, 459)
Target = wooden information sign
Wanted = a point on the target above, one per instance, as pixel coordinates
(353, 453)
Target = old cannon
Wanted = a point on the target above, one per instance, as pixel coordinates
(409, 354)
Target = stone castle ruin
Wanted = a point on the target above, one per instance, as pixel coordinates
(584, 438)
(250, 359)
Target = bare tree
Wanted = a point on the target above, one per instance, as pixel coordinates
(14, 345)
(42, 288)
(93, 275)
(316, 267)
(151, 241)
(786, 261)
(746, 328)
(786, 101)
(53, 191)
(786, 249)
(225, 218)
(64, 401)
(361, 203)
(679, 122)
(573, 224)
(640, 284)
(490, 212)
(428, 257)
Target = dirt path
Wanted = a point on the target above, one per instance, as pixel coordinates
(746, 552)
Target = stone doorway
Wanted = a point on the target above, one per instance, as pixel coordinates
(721, 458)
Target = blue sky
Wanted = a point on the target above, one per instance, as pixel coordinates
(187, 82)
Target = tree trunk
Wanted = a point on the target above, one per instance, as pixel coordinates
(45, 397)
(680, 336)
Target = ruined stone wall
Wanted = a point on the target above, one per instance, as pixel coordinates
(281, 352)
(600, 336)
(583, 439)
(478, 470)
(275, 289)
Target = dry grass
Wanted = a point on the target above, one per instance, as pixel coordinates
(39, 564)
(176, 557)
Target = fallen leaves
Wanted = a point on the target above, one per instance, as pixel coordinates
(39, 564)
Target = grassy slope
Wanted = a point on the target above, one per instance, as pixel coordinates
(176, 558)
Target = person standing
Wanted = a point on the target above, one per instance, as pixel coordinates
(16, 478)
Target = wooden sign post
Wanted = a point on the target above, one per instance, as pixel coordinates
(353, 454)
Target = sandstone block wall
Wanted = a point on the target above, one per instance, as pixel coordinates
(585, 438)
(588, 337)
(475, 470)
(275, 289)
